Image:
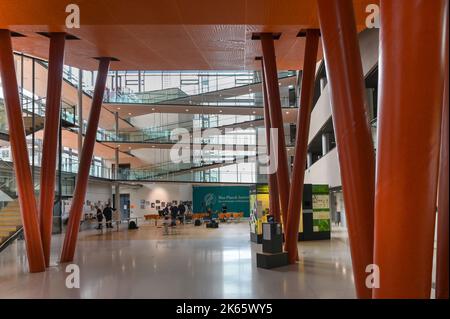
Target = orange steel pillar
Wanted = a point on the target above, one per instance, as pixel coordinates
(442, 227)
(301, 142)
(276, 120)
(411, 86)
(50, 144)
(351, 126)
(73, 225)
(274, 199)
(25, 189)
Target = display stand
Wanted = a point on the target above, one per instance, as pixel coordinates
(272, 255)
(259, 206)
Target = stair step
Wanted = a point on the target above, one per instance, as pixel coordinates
(10, 217)
(9, 213)
(8, 228)
(10, 223)
(5, 234)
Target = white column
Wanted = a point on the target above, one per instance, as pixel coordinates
(309, 160)
(116, 170)
(323, 83)
(325, 143)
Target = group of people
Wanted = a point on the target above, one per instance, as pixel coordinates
(107, 214)
(174, 212)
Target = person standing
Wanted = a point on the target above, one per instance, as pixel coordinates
(107, 212)
(99, 216)
(173, 214)
(181, 211)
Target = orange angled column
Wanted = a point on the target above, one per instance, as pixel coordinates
(352, 131)
(50, 143)
(442, 257)
(301, 142)
(411, 86)
(274, 199)
(25, 189)
(276, 120)
(70, 239)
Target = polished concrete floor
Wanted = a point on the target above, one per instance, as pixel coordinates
(194, 262)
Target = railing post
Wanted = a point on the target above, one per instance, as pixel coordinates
(73, 225)
(25, 187)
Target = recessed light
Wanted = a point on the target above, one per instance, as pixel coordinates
(220, 111)
(187, 110)
(153, 109)
(254, 112)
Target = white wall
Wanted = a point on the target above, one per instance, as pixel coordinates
(151, 192)
(325, 170)
(96, 191)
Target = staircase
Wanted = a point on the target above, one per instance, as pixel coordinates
(28, 124)
(10, 221)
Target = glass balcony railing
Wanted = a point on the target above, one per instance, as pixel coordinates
(70, 165)
(187, 95)
(162, 134)
(192, 177)
(202, 162)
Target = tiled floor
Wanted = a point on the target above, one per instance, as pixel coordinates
(194, 263)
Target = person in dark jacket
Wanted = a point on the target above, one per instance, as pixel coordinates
(107, 212)
(181, 211)
(99, 216)
(173, 214)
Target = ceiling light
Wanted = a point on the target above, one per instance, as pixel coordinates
(187, 110)
(153, 109)
(254, 112)
(220, 111)
(118, 108)
(129, 113)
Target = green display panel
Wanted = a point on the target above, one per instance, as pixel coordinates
(321, 208)
(259, 207)
(236, 198)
